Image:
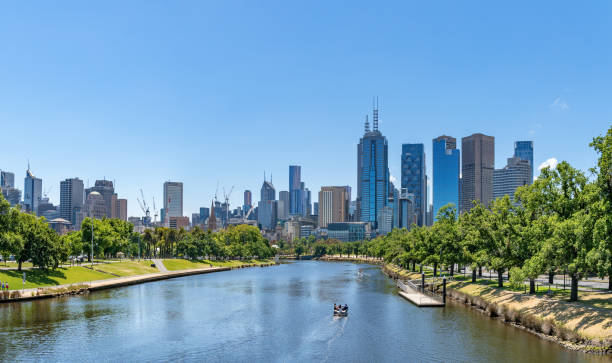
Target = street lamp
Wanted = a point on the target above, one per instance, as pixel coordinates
(92, 235)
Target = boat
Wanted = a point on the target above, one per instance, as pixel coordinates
(340, 311)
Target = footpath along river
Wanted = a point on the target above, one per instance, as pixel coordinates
(280, 313)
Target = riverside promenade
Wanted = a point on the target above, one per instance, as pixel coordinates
(82, 287)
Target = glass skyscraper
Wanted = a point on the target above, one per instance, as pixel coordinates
(446, 168)
(296, 197)
(372, 173)
(414, 179)
(524, 151)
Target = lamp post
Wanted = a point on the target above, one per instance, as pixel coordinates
(92, 235)
(138, 247)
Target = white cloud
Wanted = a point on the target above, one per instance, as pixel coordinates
(552, 163)
(559, 104)
(393, 180)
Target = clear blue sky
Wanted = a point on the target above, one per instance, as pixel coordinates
(195, 91)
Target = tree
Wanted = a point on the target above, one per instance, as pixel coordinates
(601, 255)
(448, 231)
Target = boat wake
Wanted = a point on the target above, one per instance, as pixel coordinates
(341, 323)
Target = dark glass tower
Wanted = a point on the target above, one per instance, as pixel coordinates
(414, 179)
(372, 172)
(446, 165)
(296, 197)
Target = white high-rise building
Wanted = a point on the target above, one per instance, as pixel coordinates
(173, 199)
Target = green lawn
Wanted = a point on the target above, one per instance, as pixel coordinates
(127, 268)
(13, 264)
(39, 278)
(180, 264)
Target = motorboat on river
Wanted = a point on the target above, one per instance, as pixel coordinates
(340, 310)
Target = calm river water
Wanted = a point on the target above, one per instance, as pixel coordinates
(281, 313)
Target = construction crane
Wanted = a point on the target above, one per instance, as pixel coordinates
(249, 212)
(145, 209)
(226, 197)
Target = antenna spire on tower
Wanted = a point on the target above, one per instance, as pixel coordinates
(375, 115)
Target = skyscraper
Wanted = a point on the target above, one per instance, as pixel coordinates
(107, 191)
(333, 205)
(266, 208)
(246, 206)
(372, 172)
(173, 199)
(414, 178)
(516, 174)
(406, 216)
(283, 205)
(446, 172)
(477, 164)
(121, 209)
(71, 199)
(32, 192)
(7, 179)
(524, 151)
(296, 198)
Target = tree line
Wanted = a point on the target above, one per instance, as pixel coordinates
(29, 238)
(562, 223)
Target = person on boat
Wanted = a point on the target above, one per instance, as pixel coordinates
(345, 308)
(335, 307)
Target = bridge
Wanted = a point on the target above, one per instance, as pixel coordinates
(420, 295)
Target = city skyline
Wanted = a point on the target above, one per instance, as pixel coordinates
(180, 114)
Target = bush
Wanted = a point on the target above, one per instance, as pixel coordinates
(517, 278)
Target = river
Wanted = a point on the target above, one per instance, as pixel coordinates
(280, 313)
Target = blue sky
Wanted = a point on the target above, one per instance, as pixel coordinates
(200, 92)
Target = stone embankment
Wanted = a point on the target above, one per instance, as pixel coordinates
(352, 258)
(581, 326)
(83, 287)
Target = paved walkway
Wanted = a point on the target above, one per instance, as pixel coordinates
(160, 265)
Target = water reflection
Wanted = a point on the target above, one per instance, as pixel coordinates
(281, 313)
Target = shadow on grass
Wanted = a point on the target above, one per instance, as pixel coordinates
(39, 277)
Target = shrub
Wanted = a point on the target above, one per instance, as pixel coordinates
(517, 277)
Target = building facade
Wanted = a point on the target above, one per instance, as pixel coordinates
(515, 174)
(121, 209)
(349, 231)
(372, 172)
(283, 205)
(173, 199)
(71, 199)
(477, 165)
(32, 192)
(414, 178)
(446, 173)
(333, 205)
(524, 151)
(296, 197)
(106, 189)
(266, 208)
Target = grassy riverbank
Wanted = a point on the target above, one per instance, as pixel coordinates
(180, 264)
(77, 274)
(586, 323)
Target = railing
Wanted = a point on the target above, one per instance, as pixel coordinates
(413, 286)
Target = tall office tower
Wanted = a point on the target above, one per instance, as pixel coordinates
(307, 205)
(283, 205)
(246, 206)
(32, 192)
(430, 215)
(394, 201)
(372, 172)
(204, 214)
(414, 178)
(296, 199)
(95, 205)
(385, 220)
(173, 199)
(71, 199)
(446, 173)
(107, 191)
(524, 151)
(195, 219)
(315, 209)
(266, 208)
(406, 216)
(477, 165)
(516, 174)
(333, 205)
(7, 179)
(121, 209)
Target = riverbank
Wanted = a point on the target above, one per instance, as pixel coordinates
(130, 277)
(584, 325)
(349, 258)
